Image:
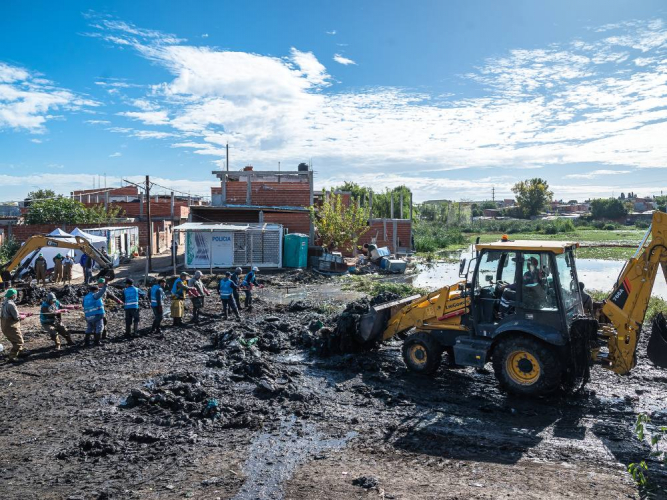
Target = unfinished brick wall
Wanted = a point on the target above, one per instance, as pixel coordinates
(158, 209)
(293, 222)
(272, 194)
(385, 238)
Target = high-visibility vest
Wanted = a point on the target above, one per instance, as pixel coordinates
(154, 292)
(226, 289)
(131, 297)
(46, 317)
(92, 306)
(176, 290)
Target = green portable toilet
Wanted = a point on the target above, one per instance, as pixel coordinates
(295, 250)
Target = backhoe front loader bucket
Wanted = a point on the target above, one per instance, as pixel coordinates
(373, 324)
(657, 344)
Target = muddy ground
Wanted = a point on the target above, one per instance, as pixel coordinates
(249, 409)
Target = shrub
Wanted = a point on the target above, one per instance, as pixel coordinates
(8, 249)
(609, 227)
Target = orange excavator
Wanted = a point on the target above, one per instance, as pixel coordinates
(522, 311)
(13, 271)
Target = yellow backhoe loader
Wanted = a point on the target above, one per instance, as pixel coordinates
(12, 271)
(522, 310)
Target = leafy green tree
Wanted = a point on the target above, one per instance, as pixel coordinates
(532, 195)
(41, 194)
(610, 208)
(63, 210)
(339, 226)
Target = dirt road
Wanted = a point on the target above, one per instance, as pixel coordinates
(247, 410)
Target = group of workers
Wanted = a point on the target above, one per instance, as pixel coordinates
(50, 313)
(62, 268)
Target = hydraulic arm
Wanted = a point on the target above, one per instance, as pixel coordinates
(32, 246)
(627, 304)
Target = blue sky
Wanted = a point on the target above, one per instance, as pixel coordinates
(451, 98)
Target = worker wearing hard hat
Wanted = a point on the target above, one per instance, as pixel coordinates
(50, 317)
(178, 293)
(248, 283)
(236, 279)
(40, 269)
(10, 323)
(93, 309)
(131, 295)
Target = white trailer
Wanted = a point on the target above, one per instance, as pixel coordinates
(213, 245)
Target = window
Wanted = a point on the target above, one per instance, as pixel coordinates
(487, 269)
(569, 285)
(537, 285)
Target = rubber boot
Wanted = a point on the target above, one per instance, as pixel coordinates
(86, 339)
(68, 339)
(134, 330)
(97, 338)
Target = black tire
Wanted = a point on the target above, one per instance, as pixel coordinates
(422, 353)
(526, 366)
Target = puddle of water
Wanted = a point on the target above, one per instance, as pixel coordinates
(274, 457)
(597, 274)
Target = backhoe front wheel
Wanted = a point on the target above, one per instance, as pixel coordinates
(422, 353)
(526, 366)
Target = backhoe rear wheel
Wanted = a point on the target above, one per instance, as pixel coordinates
(422, 353)
(526, 366)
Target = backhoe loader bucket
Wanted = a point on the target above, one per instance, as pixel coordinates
(374, 323)
(657, 344)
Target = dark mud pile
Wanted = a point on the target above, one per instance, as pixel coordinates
(192, 414)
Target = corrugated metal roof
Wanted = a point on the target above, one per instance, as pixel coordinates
(207, 226)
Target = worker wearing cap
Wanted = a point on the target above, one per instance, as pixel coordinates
(236, 279)
(226, 290)
(106, 295)
(198, 291)
(68, 263)
(131, 296)
(157, 300)
(50, 317)
(57, 268)
(178, 293)
(10, 323)
(40, 269)
(93, 309)
(249, 282)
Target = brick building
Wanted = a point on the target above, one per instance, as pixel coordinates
(256, 196)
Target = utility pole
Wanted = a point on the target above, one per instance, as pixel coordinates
(227, 156)
(493, 194)
(149, 266)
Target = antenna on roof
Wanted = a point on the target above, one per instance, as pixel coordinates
(227, 156)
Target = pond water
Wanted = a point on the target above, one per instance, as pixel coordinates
(596, 274)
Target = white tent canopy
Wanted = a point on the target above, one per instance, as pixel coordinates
(99, 242)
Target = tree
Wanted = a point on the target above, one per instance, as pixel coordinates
(41, 194)
(63, 210)
(339, 226)
(532, 195)
(622, 196)
(381, 201)
(610, 208)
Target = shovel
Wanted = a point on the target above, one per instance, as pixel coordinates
(373, 323)
(657, 344)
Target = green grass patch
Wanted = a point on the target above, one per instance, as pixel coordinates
(605, 253)
(434, 236)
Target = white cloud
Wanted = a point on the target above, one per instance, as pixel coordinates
(36, 141)
(204, 35)
(597, 173)
(115, 155)
(28, 101)
(332, 32)
(343, 60)
(601, 102)
(98, 122)
(148, 117)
